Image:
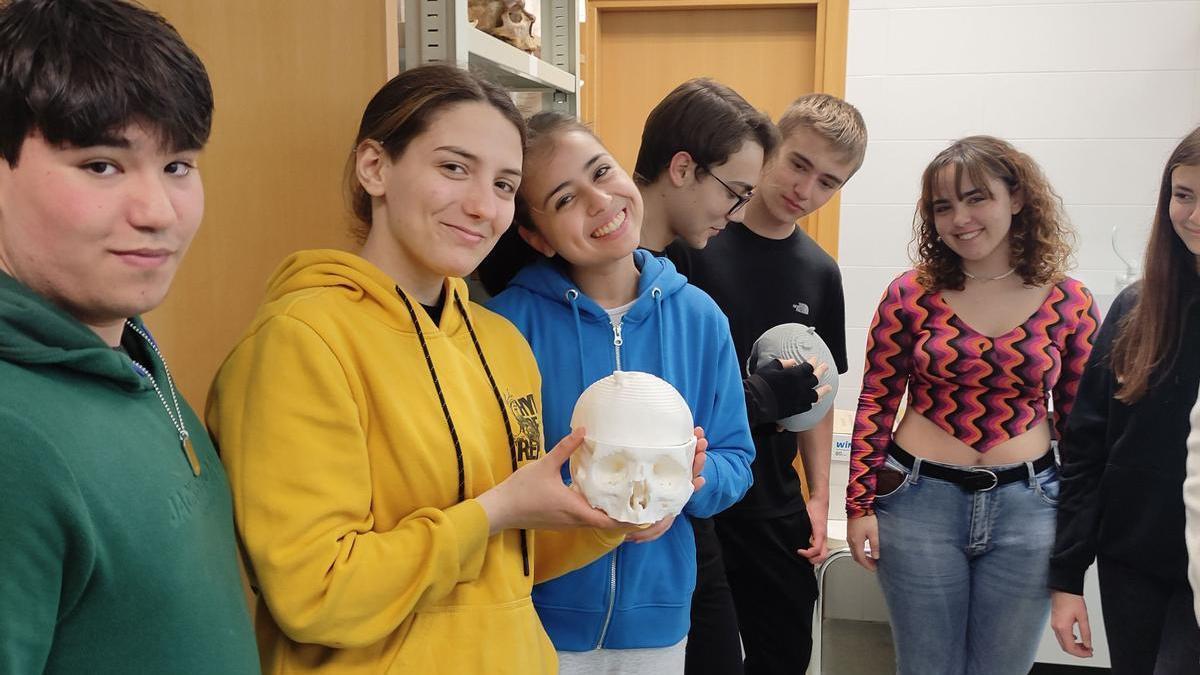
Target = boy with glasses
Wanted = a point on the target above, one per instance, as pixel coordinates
(702, 152)
(765, 271)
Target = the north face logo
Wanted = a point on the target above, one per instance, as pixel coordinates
(801, 308)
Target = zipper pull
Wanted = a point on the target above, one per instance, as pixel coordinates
(617, 342)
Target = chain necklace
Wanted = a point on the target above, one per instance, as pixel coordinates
(176, 415)
(1002, 276)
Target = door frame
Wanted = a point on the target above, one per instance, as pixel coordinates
(830, 77)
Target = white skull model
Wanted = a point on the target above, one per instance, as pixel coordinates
(799, 342)
(636, 460)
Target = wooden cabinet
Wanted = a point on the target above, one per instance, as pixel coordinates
(290, 78)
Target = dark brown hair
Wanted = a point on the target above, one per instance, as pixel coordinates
(1150, 334)
(705, 119)
(512, 252)
(78, 71)
(404, 108)
(1040, 238)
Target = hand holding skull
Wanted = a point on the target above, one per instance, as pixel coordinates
(789, 378)
(534, 497)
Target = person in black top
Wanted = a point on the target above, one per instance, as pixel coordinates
(1125, 449)
(702, 126)
(702, 153)
(763, 272)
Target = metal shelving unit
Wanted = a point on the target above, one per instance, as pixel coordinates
(437, 31)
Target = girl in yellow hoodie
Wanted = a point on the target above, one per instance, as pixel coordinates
(382, 435)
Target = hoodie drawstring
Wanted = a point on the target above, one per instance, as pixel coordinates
(512, 446)
(573, 295)
(657, 294)
(512, 443)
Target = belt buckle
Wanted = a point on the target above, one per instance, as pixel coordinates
(987, 476)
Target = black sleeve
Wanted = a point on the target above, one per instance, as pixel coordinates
(1084, 453)
(832, 323)
(774, 392)
(761, 406)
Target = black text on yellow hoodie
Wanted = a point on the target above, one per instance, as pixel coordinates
(346, 479)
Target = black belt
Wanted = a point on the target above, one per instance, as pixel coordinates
(980, 479)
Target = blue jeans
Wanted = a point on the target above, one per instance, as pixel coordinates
(964, 573)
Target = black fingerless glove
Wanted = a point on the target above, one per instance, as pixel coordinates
(774, 392)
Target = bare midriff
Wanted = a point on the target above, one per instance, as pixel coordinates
(922, 438)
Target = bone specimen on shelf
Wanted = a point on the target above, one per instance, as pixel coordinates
(507, 20)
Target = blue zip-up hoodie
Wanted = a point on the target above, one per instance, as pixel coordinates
(639, 595)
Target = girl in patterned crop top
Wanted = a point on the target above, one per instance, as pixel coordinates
(957, 506)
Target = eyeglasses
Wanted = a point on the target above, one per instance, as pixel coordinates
(740, 199)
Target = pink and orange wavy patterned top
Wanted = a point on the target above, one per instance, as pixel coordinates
(982, 390)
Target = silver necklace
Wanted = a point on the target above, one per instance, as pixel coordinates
(1002, 276)
(176, 415)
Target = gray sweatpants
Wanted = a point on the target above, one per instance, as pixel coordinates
(657, 661)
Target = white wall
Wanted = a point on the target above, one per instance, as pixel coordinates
(1097, 92)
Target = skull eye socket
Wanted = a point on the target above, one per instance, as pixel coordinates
(667, 471)
(612, 464)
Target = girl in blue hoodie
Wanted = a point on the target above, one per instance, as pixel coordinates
(591, 305)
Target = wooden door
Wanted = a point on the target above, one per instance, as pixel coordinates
(290, 79)
(765, 54)
(770, 51)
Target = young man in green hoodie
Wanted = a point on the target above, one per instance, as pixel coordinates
(117, 549)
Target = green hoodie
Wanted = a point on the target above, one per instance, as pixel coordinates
(114, 557)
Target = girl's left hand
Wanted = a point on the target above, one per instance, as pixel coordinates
(698, 461)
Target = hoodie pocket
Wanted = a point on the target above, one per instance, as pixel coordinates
(583, 589)
(505, 637)
(660, 573)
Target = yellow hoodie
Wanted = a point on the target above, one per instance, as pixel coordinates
(346, 483)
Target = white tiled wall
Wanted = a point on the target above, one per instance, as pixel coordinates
(1097, 92)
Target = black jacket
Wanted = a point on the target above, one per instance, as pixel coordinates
(1123, 465)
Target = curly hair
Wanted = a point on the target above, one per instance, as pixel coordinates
(1041, 238)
